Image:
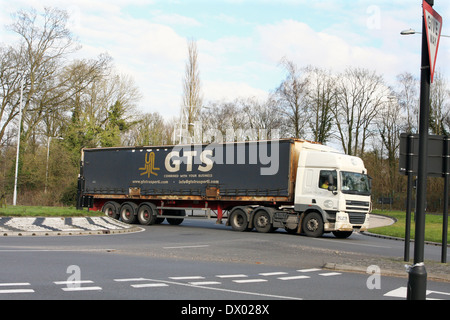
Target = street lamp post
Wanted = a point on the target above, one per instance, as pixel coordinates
(412, 31)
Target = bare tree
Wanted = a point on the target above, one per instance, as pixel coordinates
(391, 123)
(439, 105)
(407, 95)
(150, 130)
(359, 97)
(10, 82)
(321, 99)
(44, 44)
(192, 98)
(291, 97)
(220, 116)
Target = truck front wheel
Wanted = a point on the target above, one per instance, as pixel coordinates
(313, 225)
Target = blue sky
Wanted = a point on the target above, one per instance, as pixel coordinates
(241, 42)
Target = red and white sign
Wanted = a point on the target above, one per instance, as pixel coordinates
(433, 23)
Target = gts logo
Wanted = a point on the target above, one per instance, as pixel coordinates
(173, 161)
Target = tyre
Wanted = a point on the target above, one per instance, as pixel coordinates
(159, 220)
(291, 231)
(261, 222)
(342, 234)
(176, 221)
(146, 214)
(239, 220)
(313, 225)
(128, 212)
(111, 209)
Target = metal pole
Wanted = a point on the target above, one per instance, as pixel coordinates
(408, 197)
(417, 279)
(445, 213)
(18, 143)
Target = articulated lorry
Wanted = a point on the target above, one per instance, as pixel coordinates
(304, 187)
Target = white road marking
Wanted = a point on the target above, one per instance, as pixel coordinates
(149, 285)
(403, 291)
(17, 291)
(227, 290)
(81, 288)
(250, 280)
(202, 283)
(272, 274)
(309, 270)
(352, 243)
(294, 278)
(187, 278)
(187, 247)
(329, 274)
(232, 276)
(129, 279)
(14, 284)
(73, 282)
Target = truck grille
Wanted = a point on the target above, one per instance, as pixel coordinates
(358, 206)
(357, 217)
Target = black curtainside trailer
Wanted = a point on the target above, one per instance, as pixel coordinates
(171, 179)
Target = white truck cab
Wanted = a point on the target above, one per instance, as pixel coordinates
(333, 187)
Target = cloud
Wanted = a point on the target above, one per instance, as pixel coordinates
(174, 19)
(239, 53)
(300, 43)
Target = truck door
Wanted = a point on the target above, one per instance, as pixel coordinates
(328, 180)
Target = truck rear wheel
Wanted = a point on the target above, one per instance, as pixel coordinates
(261, 221)
(147, 214)
(313, 225)
(239, 220)
(128, 212)
(111, 209)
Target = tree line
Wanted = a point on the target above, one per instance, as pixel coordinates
(69, 104)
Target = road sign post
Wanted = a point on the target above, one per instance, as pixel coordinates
(417, 274)
(433, 28)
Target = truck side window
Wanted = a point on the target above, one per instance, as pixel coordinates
(327, 178)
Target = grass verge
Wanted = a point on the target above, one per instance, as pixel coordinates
(433, 226)
(36, 211)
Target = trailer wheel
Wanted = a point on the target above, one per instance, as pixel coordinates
(261, 221)
(128, 212)
(239, 220)
(146, 214)
(313, 225)
(159, 220)
(111, 209)
(176, 221)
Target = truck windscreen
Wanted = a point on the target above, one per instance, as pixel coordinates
(355, 183)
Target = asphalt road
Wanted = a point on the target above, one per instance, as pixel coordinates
(200, 261)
